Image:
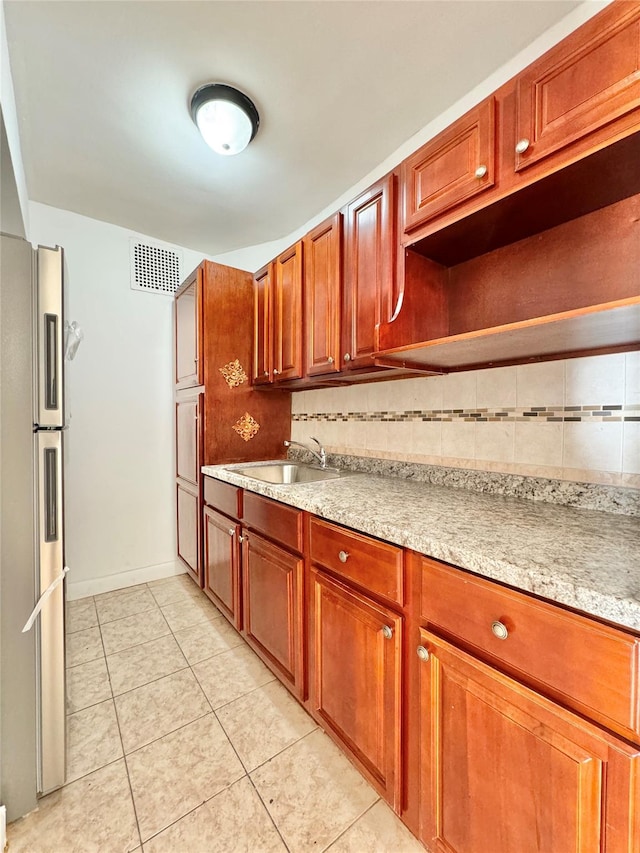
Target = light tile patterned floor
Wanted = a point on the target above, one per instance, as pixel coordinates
(180, 740)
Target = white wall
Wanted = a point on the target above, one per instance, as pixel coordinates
(119, 462)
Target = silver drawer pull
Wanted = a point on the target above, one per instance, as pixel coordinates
(244, 538)
(231, 531)
(387, 632)
(522, 145)
(343, 556)
(330, 360)
(481, 171)
(423, 653)
(499, 630)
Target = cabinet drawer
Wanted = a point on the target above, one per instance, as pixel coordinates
(455, 166)
(277, 521)
(375, 565)
(587, 666)
(223, 496)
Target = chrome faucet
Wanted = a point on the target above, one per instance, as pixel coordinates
(320, 454)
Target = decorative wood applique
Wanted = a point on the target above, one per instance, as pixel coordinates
(246, 427)
(234, 374)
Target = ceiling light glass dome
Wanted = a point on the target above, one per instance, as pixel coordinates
(227, 119)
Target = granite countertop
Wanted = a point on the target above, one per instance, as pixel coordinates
(586, 559)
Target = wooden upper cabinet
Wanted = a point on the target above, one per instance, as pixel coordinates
(455, 166)
(287, 315)
(262, 335)
(323, 296)
(590, 80)
(188, 320)
(369, 270)
(504, 769)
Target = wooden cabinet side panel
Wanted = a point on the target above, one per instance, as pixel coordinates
(323, 296)
(241, 422)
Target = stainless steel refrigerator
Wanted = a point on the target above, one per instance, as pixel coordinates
(32, 423)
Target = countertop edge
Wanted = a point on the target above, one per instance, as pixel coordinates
(558, 588)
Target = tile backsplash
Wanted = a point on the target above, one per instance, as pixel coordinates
(577, 419)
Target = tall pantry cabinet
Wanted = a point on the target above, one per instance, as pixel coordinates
(219, 416)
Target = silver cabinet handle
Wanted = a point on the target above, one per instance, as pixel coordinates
(499, 630)
(423, 653)
(231, 531)
(266, 373)
(244, 538)
(387, 632)
(481, 171)
(522, 145)
(343, 556)
(330, 360)
(275, 371)
(347, 356)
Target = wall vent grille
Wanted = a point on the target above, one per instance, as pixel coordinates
(154, 268)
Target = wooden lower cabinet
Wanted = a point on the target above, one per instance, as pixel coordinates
(222, 564)
(504, 769)
(355, 678)
(273, 607)
(188, 528)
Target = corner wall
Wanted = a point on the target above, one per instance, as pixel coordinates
(119, 450)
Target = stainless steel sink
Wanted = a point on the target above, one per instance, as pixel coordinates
(287, 473)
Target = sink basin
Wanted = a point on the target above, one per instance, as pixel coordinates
(287, 473)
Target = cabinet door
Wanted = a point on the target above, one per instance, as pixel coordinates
(272, 595)
(355, 681)
(323, 296)
(370, 269)
(188, 533)
(222, 564)
(455, 166)
(189, 437)
(589, 80)
(188, 320)
(504, 769)
(287, 315)
(262, 321)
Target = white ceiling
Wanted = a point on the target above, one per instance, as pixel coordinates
(102, 92)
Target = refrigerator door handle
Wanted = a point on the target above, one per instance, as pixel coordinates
(34, 613)
(49, 337)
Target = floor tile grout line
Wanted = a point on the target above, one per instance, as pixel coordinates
(135, 645)
(248, 774)
(151, 681)
(194, 809)
(266, 808)
(137, 613)
(166, 734)
(353, 823)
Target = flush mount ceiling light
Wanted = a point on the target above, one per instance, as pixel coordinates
(227, 119)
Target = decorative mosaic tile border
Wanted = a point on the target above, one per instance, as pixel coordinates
(533, 414)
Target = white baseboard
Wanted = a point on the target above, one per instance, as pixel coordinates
(120, 580)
